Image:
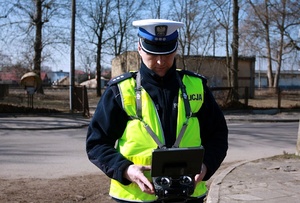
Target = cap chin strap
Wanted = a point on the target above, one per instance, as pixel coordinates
(139, 111)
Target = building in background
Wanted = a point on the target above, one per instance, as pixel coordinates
(57, 76)
(288, 79)
(213, 68)
(14, 78)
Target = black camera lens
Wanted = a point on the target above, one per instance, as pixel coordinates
(164, 181)
(185, 180)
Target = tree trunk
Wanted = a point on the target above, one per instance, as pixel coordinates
(268, 43)
(98, 66)
(228, 62)
(38, 46)
(235, 49)
(281, 45)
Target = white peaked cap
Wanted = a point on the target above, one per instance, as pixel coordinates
(158, 36)
(150, 24)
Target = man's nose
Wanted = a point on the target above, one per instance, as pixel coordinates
(160, 60)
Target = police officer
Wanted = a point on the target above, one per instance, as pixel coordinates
(164, 99)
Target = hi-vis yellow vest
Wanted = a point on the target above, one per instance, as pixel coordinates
(137, 145)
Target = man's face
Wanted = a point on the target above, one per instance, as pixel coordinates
(160, 64)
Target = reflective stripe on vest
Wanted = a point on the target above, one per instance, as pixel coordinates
(137, 145)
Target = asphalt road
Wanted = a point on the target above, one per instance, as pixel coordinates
(43, 153)
(58, 153)
(248, 141)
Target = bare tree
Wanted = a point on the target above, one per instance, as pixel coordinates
(235, 51)
(221, 12)
(121, 37)
(194, 36)
(4, 60)
(156, 8)
(261, 20)
(274, 22)
(285, 16)
(38, 46)
(226, 15)
(120, 21)
(33, 30)
(94, 17)
(6, 9)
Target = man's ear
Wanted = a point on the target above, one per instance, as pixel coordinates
(139, 48)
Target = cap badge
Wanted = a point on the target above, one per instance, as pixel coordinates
(161, 30)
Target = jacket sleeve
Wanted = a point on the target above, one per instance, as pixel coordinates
(106, 127)
(214, 133)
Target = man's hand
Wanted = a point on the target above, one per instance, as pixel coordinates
(134, 173)
(199, 177)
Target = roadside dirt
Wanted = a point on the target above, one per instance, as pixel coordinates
(87, 188)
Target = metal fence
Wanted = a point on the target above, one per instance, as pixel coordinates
(263, 97)
(58, 98)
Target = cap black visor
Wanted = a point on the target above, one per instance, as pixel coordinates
(158, 48)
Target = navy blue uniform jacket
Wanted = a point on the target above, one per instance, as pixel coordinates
(109, 122)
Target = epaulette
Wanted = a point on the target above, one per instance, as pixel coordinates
(120, 78)
(186, 72)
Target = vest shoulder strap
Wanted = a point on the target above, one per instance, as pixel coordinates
(121, 78)
(190, 73)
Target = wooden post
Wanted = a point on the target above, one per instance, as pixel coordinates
(298, 141)
(279, 98)
(246, 96)
(85, 105)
